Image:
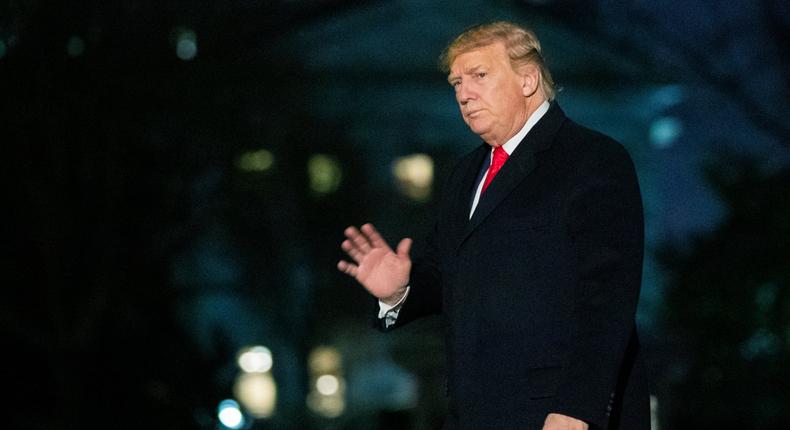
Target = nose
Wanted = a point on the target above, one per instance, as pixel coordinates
(463, 93)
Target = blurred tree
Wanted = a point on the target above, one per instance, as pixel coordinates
(118, 158)
(728, 307)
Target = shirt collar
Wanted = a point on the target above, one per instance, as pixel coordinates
(533, 119)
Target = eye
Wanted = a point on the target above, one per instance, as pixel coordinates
(455, 84)
(481, 74)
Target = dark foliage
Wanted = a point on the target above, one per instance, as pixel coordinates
(728, 307)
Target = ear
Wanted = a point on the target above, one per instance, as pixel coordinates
(530, 79)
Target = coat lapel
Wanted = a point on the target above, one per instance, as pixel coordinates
(465, 190)
(517, 168)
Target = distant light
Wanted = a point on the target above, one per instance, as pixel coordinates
(327, 406)
(654, 413)
(186, 49)
(2, 49)
(325, 173)
(670, 95)
(324, 359)
(256, 359)
(327, 384)
(75, 46)
(761, 344)
(327, 395)
(414, 174)
(256, 161)
(186, 44)
(230, 415)
(665, 131)
(257, 392)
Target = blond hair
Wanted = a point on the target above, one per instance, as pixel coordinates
(521, 44)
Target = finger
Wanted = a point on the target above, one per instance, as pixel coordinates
(347, 268)
(351, 232)
(375, 238)
(404, 247)
(358, 239)
(351, 250)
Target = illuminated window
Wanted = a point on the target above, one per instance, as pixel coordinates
(414, 176)
(256, 161)
(185, 41)
(325, 173)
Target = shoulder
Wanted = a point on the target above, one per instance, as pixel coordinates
(588, 149)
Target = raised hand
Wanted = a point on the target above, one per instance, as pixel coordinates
(382, 271)
(563, 422)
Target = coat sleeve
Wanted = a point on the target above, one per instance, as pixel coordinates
(425, 292)
(604, 219)
(425, 279)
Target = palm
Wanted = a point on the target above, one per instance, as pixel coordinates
(382, 271)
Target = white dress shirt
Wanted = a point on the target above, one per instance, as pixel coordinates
(511, 146)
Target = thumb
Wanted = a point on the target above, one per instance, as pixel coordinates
(404, 247)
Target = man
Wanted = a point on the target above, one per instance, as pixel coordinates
(535, 259)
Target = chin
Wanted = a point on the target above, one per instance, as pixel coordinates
(479, 129)
(483, 134)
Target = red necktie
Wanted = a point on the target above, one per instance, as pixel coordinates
(500, 156)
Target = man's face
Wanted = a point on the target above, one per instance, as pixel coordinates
(489, 92)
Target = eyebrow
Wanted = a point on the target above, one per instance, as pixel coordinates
(468, 71)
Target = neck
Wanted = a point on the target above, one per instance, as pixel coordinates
(531, 104)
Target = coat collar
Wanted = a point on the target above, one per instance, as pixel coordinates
(518, 166)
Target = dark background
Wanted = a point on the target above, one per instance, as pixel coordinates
(178, 174)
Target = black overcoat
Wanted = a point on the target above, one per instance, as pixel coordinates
(539, 289)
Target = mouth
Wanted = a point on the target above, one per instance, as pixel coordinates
(472, 113)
